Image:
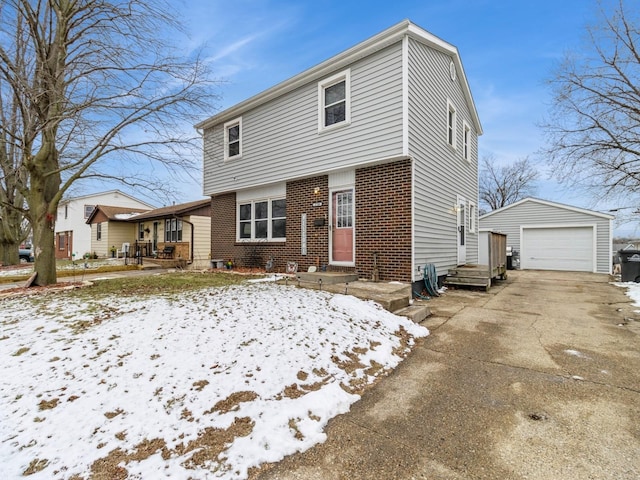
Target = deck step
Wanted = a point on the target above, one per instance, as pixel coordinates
(478, 276)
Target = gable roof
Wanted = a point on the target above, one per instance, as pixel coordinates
(99, 194)
(551, 204)
(182, 209)
(116, 214)
(373, 44)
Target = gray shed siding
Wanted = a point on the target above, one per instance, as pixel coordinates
(441, 173)
(533, 213)
(280, 138)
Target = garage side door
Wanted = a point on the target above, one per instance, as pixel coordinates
(558, 248)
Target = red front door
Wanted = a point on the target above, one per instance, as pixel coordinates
(342, 227)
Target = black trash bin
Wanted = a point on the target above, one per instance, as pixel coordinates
(630, 265)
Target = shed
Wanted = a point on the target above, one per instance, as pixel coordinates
(554, 236)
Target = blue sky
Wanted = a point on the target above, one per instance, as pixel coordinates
(508, 49)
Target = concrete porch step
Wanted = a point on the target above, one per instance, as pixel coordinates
(326, 278)
(416, 312)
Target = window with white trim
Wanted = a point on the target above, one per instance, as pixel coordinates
(98, 231)
(451, 124)
(88, 210)
(264, 219)
(334, 102)
(466, 141)
(473, 213)
(233, 139)
(172, 230)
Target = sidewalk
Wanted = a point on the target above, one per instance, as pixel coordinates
(537, 379)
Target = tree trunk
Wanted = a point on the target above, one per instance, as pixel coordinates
(10, 237)
(44, 251)
(42, 199)
(9, 253)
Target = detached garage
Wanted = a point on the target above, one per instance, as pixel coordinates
(553, 236)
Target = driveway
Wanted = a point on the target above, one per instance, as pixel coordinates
(537, 379)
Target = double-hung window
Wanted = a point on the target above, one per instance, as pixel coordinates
(173, 230)
(98, 231)
(451, 124)
(233, 139)
(262, 220)
(334, 101)
(88, 210)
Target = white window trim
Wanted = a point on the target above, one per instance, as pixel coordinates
(451, 109)
(473, 214)
(269, 221)
(227, 126)
(466, 141)
(327, 82)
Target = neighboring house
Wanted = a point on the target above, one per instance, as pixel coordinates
(553, 236)
(111, 229)
(366, 163)
(185, 227)
(72, 234)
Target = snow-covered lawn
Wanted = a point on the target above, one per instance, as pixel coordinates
(205, 384)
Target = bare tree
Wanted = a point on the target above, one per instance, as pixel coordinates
(102, 94)
(13, 228)
(594, 126)
(503, 185)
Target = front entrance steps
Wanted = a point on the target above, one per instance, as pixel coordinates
(392, 296)
(478, 276)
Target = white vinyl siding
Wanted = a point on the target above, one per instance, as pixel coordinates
(533, 213)
(440, 173)
(375, 130)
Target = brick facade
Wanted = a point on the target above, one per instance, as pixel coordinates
(382, 221)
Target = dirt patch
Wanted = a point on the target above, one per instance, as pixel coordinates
(232, 402)
(48, 404)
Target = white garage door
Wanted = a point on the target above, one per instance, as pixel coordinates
(558, 248)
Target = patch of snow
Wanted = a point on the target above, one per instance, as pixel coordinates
(633, 292)
(83, 378)
(576, 353)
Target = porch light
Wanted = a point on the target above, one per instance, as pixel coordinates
(316, 191)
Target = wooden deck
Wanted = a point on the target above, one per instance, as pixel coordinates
(476, 276)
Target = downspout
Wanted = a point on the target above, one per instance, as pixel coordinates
(190, 261)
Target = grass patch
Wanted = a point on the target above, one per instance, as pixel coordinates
(163, 284)
(78, 272)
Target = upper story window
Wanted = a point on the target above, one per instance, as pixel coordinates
(262, 220)
(451, 124)
(87, 211)
(334, 100)
(233, 139)
(466, 141)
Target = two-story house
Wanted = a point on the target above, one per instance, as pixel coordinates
(367, 162)
(73, 234)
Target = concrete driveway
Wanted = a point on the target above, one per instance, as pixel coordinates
(537, 379)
